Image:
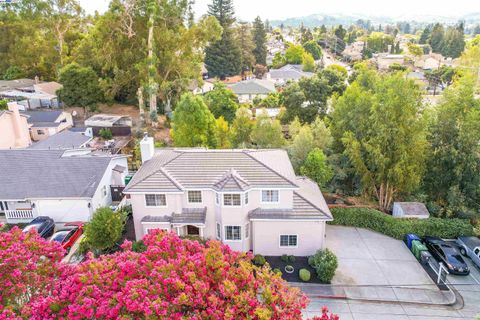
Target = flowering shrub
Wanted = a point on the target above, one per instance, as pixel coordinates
(28, 263)
(326, 316)
(172, 279)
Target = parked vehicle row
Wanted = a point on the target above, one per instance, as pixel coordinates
(447, 254)
(66, 236)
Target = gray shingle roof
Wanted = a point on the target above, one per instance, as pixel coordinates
(253, 87)
(231, 182)
(63, 140)
(290, 72)
(302, 209)
(178, 169)
(413, 208)
(33, 173)
(42, 116)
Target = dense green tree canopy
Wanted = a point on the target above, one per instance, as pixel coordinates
(222, 102)
(294, 54)
(314, 49)
(193, 124)
(242, 128)
(379, 119)
(80, 86)
(453, 177)
(267, 133)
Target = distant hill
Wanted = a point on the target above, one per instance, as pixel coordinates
(316, 20)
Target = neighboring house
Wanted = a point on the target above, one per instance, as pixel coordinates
(271, 112)
(14, 128)
(289, 72)
(248, 199)
(119, 125)
(385, 60)
(248, 90)
(354, 51)
(197, 90)
(44, 124)
(66, 186)
(410, 210)
(64, 140)
(31, 94)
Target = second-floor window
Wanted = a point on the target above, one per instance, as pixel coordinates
(232, 200)
(155, 200)
(269, 195)
(194, 196)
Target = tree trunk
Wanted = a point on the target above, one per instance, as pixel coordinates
(151, 65)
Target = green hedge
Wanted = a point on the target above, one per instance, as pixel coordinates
(398, 227)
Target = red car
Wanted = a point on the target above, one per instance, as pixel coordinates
(69, 235)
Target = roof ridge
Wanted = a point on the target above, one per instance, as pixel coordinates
(309, 202)
(153, 173)
(268, 167)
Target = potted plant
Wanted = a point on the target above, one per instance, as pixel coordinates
(289, 269)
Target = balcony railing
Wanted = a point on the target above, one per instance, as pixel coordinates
(19, 215)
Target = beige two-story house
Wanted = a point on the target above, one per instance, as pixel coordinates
(248, 199)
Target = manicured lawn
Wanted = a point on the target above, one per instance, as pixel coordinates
(300, 263)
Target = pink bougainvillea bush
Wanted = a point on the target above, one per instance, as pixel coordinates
(28, 265)
(172, 279)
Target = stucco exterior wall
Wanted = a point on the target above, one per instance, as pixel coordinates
(64, 210)
(266, 237)
(13, 129)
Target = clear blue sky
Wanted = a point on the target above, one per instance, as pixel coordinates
(279, 9)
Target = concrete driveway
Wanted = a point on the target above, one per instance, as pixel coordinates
(369, 258)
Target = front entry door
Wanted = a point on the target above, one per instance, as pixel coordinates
(193, 231)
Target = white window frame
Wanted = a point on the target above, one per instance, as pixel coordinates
(247, 230)
(155, 194)
(270, 190)
(194, 202)
(104, 191)
(288, 246)
(232, 240)
(218, 231)
(232, 194)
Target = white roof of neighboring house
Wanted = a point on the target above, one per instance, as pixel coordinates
(254, 86)
(104, 120)
(64, 140)
(290, 72)
(6, 85)
(271, 112)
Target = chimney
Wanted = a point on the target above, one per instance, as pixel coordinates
(22, 136)
(147, 148)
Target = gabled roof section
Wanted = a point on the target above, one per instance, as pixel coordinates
(231, 181)
(42, 116)
(206, 169)
(63, 140)
(30, 173)
(255, 86)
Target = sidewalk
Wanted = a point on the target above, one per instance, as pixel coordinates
(379, 294)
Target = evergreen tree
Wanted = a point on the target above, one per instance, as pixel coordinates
(436, 38)
(222, 102)
(260, 40)
(223, 57)
(247, 46)
(80, 86)
(454, 42)
(425, 35)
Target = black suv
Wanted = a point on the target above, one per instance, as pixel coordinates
(44, 226)
(444, 252)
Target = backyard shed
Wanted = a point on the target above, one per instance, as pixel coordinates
(410, 210)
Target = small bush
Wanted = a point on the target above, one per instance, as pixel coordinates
(277, 271)
(398, 227)
(325, 264)
(106, 133)
(284, 258)
(291, 259)
(139, 246)
(304, 275)
(259, 260)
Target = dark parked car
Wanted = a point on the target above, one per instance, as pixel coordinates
(448, 254)
(44, 226)
(69, 235)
